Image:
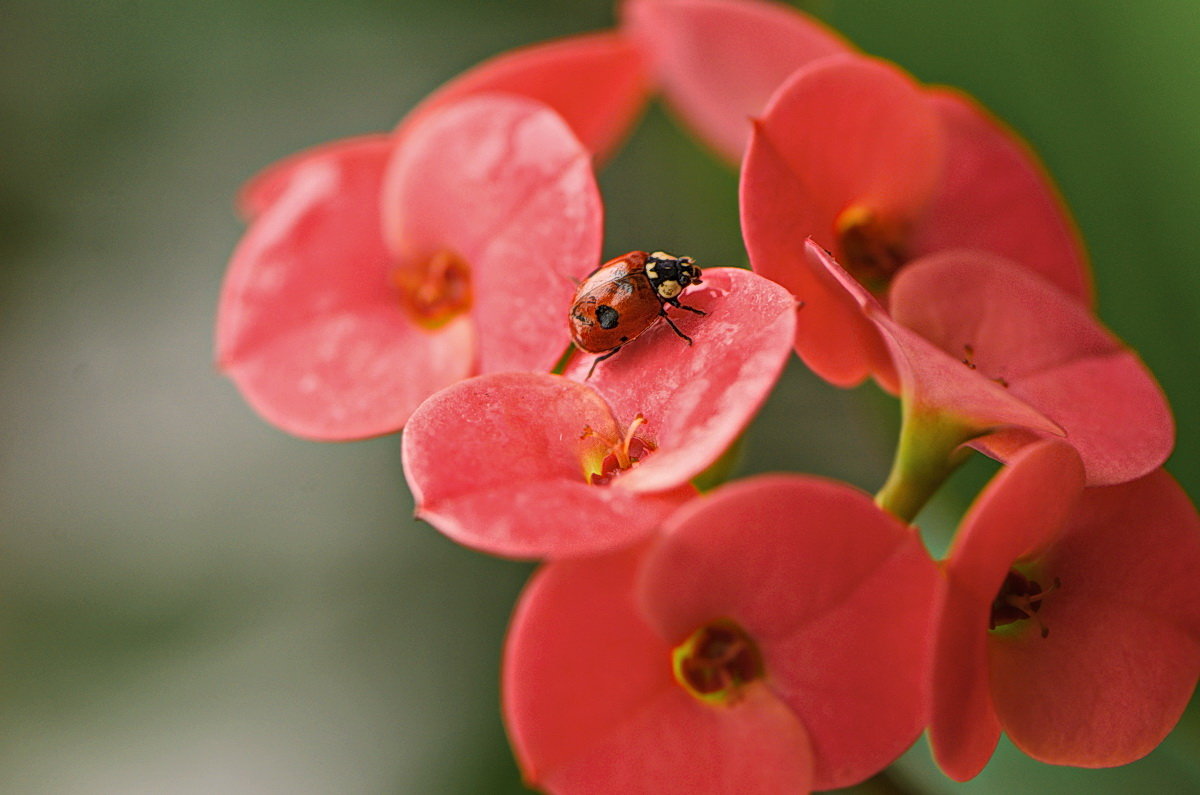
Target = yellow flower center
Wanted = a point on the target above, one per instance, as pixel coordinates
(872, 248)
(717, 662)
(604, 458)
(435, 291)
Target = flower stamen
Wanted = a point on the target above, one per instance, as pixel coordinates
(1020, 598)
(872, 249)
(613, 456)
(717, 662)
(969, 361)
(436, 291)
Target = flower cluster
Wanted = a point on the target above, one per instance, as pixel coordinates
(775, 634)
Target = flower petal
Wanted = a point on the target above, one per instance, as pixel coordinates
(495, 463)
(838, 694)
(501, 182)
(995, 195)
(1115, 414)
(1019, 513)
(722, 554)
(598, 83)
(1045, 349)
(1121, 659)
(877, 146)
(675, 744)
(963, 727)
(837, 594)
(591, 704)
(719, 61)
(308, 325)
(578, 657)
(1008, 321)
(697, 399)
(332, 196)
(938, 383)
(264, 188)
(1016, 516)
(351, 376)
(931, 379)
(832, 336)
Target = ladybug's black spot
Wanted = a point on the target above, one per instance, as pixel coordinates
(608, 317)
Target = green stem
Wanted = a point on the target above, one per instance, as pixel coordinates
(929, 451)
(564, 360)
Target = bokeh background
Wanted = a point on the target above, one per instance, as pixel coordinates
(192, 601)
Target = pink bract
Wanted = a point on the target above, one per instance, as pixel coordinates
(1100, 670)
(503, 463)
(597, 82)
(332, 333)
(830, 593)
(994, 194)
(719, 61)
(1008, 358)
(528, 465)
(501, 182)
(879, 170)
(701, 396)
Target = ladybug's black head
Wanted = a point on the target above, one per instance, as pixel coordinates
(670, 274)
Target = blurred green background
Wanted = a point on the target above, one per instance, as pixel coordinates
(191, 601)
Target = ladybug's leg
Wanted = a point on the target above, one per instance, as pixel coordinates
(675, 303)
(599, 359)
(674, 328)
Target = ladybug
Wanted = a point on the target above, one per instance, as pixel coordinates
(627, 295)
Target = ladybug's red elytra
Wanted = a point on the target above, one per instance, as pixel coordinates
(627, 295)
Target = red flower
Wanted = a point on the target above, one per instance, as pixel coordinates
(719, 61)
(533, 465)
(881, 171)
(1071, 623)
(771, 639)
(333, 333)
(989, 353)
(597, 82)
